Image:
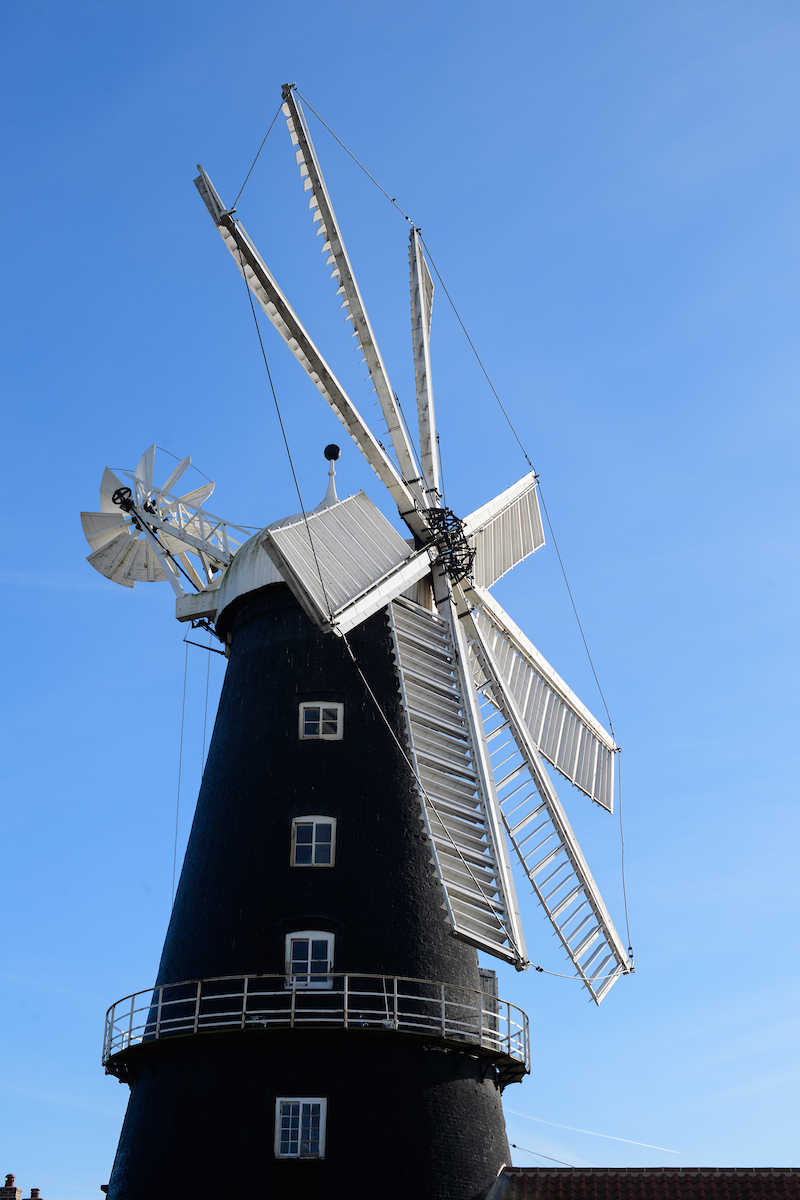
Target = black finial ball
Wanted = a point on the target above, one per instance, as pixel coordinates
(332, 452)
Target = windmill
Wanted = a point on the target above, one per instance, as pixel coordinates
(393, 657)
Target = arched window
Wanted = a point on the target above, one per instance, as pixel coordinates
(309, 959)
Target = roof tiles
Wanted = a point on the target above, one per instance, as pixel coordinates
(653, 1183)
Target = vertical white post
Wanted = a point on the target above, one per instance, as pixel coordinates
(130, 1021)
(197, 1006)
(244, 1000)
(158, 1012)
(444, 1025)
(346, 999)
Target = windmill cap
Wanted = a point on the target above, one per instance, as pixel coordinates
(332, 452)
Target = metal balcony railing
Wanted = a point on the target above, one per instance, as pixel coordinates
(339, 1001)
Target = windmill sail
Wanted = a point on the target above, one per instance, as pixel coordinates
(469, 856)
(542, 836)
(281, 314)
(559, 725)
(421, 306)
(344, 562)
(505, 531)
(333, 243)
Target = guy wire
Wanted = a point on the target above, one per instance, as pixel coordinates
(180, 769)
(255, 160)
(538, 1154)
(575, 610)
(355, 160)
(477, 356)
(283, 431)
(205, 714)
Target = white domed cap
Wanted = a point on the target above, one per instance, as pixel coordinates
(251, 569)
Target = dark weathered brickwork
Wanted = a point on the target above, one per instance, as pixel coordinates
(413, 1117)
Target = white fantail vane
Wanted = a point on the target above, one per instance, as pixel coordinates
(145, 534)
(484, 709)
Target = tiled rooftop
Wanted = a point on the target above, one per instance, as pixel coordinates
(653, 1183)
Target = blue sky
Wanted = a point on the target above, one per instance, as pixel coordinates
(610, 193)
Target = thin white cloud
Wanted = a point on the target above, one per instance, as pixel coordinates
(592, 1133)
(10, 1087)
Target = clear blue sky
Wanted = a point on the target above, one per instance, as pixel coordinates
(611, 194)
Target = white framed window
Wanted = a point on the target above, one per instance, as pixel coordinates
(309, 959)
(300, 1126)
(320, 720)
(313, 841)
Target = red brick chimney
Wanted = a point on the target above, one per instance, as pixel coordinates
(9, 1192)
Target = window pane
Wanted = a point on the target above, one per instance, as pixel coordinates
(299, 955)
(319, 949)
(309, 1137)
(322, 854)
(330, 726)
(324, 833)
(303, 844)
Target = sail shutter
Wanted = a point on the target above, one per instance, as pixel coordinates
(541, 834)
(558, 729)
(444, 761)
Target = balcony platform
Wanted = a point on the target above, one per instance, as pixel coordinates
(455, 1017)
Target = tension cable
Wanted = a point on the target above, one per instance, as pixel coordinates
(391, 199)
(255, 160)
(538, 1154)
(283, 430)
(180, 770)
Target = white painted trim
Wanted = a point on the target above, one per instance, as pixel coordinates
(323, 1121)
(320, 737)
(321, 820)
(317, 935)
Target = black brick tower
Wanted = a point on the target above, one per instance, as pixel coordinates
(405, 1114)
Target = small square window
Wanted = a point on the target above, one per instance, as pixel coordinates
(321, 721)
(313, 841)
(309, 959)
(300, 1127)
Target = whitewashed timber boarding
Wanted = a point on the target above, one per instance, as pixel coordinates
(485, 711)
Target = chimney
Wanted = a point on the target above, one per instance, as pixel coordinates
(9, 1192)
